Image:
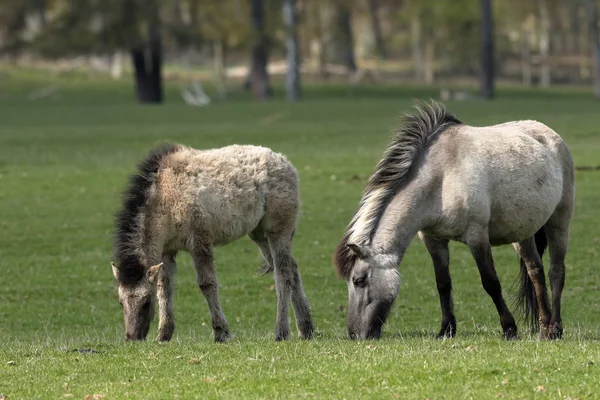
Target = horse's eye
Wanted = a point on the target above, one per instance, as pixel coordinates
(360, 281)
(121, 303)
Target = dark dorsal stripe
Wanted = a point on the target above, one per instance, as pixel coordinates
(408, 142)
(135, 197)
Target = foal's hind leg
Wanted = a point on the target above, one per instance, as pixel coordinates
(438, 250)
(288, 282)
(535, 269)
(479, 244)
(166, 319)
(259, 237)
(207, 281)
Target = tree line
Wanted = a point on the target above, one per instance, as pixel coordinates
(534, 42)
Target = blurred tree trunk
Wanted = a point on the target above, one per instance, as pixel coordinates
(317, 48)
(526, 57)
(417, 46)
(41, 8)
(292, 83)
(373, 7)
(545, 70)
(346, 49)
(338, 37)
(595, 41)
(220, 67)
(429, 65)
(259, 77)
(574, 28)
(584, 45)
(147, 60)
(487, 50)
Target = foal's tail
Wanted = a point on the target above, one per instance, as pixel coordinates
(526, 298)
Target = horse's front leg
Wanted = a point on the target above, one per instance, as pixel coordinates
(440, 255)
(209, 286)
(166, 321)
(478, 242)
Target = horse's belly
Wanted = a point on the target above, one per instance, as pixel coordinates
(518, 215)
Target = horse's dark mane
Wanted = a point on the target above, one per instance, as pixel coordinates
(408, 142)
(135, 196)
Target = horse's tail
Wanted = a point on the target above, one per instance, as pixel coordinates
(526, 297)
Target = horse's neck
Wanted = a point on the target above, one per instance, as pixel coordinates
(402, 219)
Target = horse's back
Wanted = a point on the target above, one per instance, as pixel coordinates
(510, 176)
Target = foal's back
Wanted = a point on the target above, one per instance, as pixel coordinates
(221, 194)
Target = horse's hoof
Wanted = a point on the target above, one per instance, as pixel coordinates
(447, 332)
(222, 335)
(511, 334)
(555, 331)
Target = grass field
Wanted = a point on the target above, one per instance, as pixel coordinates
(64, 161)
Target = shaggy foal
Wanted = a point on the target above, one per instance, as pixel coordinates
(187, 199)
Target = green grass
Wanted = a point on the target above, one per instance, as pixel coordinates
(64, 161)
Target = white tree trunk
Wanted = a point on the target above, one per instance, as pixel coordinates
(545, 70)
(219, 66)
(116, 69)
(429, 65)
(417, 47)
(292, 82)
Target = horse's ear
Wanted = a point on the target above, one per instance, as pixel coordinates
(115, 270)
(153, 271)
(359, 250)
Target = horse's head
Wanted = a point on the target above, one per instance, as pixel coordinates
(137, 300)
(373, 285)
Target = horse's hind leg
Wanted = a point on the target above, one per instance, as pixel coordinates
(478, 241)
(207, 281)
(557, 233)
(438, 250)
(164, 290)
(535, 269)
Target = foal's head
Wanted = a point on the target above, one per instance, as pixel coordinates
(373, 285)
(137, 300)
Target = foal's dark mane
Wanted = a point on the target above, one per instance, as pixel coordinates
(408, 142)
(135, 196)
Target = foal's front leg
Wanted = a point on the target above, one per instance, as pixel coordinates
(480, 247)
(440, 255)
(164, 291)
(209, 286)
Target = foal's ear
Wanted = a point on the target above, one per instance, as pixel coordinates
(115, 270)
(359, 250)
(153, 271)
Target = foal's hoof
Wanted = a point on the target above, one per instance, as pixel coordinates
(307, 330)
(165, 336)
(282, 335)
(221, 335)
(511, 334)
